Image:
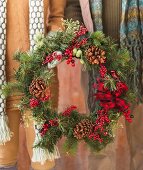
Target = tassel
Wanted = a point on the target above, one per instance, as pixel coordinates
(5, 133)
(42, 155)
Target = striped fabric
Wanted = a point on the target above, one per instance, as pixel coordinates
(111, 18)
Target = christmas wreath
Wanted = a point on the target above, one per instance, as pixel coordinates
(113, 88)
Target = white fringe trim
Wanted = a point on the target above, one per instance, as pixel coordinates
(5, 133)
(42, 155)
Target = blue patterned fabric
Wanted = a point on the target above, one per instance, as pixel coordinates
(132, 18)
(96, 12)
(131, 36)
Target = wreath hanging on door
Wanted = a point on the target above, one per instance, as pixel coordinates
(113, 90)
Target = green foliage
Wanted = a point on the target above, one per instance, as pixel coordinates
(47, 75)
(70, 145)
(11, 88)
(114, 115)
(110, 83)
(50, 139)
(67, 124)
(23, 104)
(98, 38)
(31, 67)
(70, 28)
(96, 146)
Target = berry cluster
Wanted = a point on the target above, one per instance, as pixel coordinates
(103, 71)
(68, 111)
(99, 126)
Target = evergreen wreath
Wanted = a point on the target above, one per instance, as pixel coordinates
(113, 86)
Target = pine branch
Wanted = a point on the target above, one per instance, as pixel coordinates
(11, 88)
(70, 146)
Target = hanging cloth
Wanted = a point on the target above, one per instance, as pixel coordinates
(129, 30)
(36, 25)
(131, 36)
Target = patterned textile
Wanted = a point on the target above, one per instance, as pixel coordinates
(5, 133)
(131, 36)
(2, 51)
(96, 11)
(36, 19)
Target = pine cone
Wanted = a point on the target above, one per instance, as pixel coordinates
(95, 55)
(83, 129)
(37, 88)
